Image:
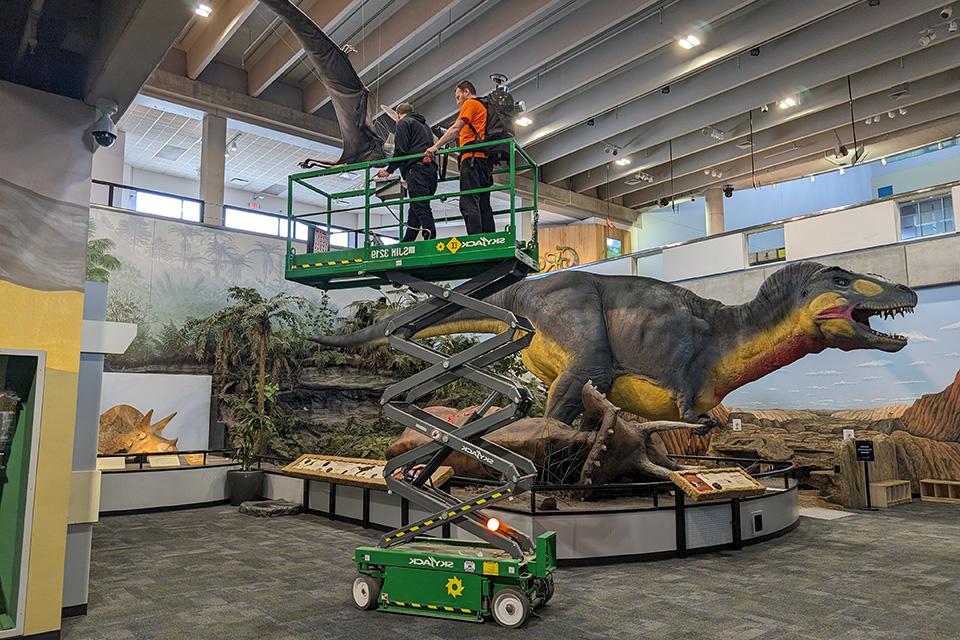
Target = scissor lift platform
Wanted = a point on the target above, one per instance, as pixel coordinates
(507, 575)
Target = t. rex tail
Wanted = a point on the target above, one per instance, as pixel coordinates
(462, 322)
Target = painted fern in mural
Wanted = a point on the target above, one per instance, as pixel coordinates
(100, 262)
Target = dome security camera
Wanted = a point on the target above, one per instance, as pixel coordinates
(104, 131)
(946, 13)
(728, 191)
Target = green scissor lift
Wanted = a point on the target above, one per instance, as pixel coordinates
(508, 574)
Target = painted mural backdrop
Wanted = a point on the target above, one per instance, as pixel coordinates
(169, 272)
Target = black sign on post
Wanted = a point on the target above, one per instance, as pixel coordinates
(865, 454)
(865, 451)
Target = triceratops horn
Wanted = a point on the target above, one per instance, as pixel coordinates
(157, 428)
(146, 420)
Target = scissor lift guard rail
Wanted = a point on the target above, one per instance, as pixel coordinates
(510, 574)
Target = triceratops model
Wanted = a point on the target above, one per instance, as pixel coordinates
(607, 448)
(663, 352)
(123, 429)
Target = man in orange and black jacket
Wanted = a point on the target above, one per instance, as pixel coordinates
(476, 169)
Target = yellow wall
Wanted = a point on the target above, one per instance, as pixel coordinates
(44, 199)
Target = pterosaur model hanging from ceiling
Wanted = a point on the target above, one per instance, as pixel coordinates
(361, 143)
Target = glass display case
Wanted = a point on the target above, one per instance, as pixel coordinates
(20, 384)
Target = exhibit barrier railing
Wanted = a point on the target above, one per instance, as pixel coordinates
(142, 458)
(654, 489)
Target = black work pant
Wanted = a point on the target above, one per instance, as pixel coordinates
(421, 181)
(476, 173)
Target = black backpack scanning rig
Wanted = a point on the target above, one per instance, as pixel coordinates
(501, 110)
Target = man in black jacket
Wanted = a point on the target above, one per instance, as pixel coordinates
(413, 136)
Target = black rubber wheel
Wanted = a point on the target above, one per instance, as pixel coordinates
(366, 592)
(510, 608)
(547, 588)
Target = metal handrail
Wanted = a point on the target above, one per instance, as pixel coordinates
(303, 180)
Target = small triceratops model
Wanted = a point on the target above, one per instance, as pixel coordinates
(123, 429)
(607, 447)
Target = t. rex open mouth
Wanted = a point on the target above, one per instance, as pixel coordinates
(861, 314)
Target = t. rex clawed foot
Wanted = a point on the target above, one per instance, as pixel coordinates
(707, 424)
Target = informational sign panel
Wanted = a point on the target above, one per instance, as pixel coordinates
(712, 484)
(358, 472)
(865, 450)
(737, 424)
(848, 434)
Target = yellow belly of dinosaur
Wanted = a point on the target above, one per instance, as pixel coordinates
(644, 398)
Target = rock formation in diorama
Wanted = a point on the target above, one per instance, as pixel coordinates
(924, 436)
(608, 446)
(661, 351)
(936, 415)
(123, 429)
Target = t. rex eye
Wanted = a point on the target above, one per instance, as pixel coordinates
(841, 282)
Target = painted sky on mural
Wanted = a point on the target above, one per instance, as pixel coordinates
(837, 379)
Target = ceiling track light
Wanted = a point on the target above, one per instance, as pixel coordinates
(842, 171)
(926, 37)
(689, 42)
(940, 145)
(813, 178)
(523, 121)
(902, 111)
(883, 161)
(713, 132)
(639, 177)
(622, 162)
(788, 102)
(203, 10)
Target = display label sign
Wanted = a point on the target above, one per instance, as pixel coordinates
(865, 450)
(358, 472)
(848, 434)
(737, 424)
(723, 482)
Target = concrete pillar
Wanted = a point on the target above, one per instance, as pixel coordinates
(714, 210)
(214, 146)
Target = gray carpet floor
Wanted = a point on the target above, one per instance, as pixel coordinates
(213, 573)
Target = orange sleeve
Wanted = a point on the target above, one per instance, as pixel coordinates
(469, 110)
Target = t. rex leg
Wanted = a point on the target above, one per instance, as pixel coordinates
(565, 402)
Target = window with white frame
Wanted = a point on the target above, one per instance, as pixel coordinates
(264, 223)
(166, 206)
(927, 216)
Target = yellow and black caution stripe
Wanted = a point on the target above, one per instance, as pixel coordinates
(479, 502)
(328, 263)
(431, 607)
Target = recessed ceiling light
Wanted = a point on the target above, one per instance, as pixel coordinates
(622, 162)
(787, 102)
(203, 10)
(689, 42)
(523, 121)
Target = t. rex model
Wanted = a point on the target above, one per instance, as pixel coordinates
(661, 351)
